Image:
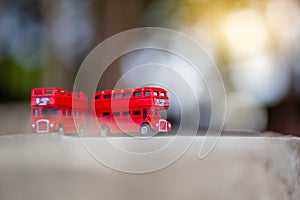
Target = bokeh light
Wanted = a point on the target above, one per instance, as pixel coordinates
(246, 34)
(255, 44)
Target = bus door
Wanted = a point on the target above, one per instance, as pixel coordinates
(136, 119)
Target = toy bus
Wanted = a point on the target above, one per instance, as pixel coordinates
(127, 110)
(131, 110)
(55, 109)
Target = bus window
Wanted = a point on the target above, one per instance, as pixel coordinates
(144, 113)
(117, 95)
(69, 113)
(116, 114)
(107, 96)
(53, 111)
(48, 92)
(64, 113)
(162, 94)
(126, 95)
(37, 92)
(106, 114)
(97, 97)
(156, 112)
(45, 112)
(126, 113)
(74, 113)
(136, 112)
(155, 93)
(146, 94)
(80, 114)
(137, 94)
(36, 112)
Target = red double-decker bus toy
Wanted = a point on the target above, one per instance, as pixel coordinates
(55, 109)
(130, 110)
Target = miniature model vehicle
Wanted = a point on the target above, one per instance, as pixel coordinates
(55, 109)
(130, 110)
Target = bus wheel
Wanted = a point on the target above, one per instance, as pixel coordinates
(80, 132)
(104, 131)
(145, 129)
(61, 130)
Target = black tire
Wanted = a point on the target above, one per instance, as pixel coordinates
(61, 130)
(104, 131)
(145, 130)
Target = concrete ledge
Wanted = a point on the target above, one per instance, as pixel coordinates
(47, 166)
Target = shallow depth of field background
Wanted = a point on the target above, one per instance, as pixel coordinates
(255, 44)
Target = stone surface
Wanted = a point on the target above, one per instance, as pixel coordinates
(49, 166)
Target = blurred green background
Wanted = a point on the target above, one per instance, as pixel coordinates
(255, 43)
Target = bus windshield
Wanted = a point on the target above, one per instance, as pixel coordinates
(49, 111)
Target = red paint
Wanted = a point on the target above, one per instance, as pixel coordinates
(51, 109)
(128, 109)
